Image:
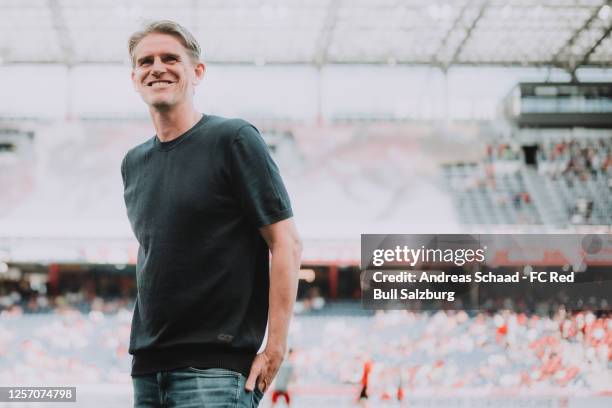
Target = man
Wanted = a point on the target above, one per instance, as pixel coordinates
(207, 205)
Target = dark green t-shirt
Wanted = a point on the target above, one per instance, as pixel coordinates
(195, 205)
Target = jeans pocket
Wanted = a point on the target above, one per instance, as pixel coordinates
(257, 395)
(194, 386)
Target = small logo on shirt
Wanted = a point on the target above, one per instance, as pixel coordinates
(225, 338)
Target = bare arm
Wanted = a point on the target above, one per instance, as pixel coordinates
(286, 248)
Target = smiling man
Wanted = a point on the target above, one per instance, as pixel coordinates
(207, 205)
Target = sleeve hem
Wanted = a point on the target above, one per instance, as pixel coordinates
(273, 218)
(124, 170)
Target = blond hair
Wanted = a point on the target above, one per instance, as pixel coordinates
(171, 28)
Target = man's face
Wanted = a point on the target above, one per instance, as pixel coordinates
(164, 74)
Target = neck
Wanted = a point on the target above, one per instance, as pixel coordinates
(170, 124)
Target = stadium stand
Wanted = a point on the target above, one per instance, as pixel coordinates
(569, 183)
(442, 350)
(579, 173)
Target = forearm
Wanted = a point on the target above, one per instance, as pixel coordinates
(286, 248)
(283, 289)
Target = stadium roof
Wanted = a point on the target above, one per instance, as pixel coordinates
(565, 33)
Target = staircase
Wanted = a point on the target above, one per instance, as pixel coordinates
(546, 199)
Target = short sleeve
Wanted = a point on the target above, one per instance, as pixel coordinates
(256, 180)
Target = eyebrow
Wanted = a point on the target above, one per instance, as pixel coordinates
(164, 55)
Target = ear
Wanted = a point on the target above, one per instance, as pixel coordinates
(200, 70)
(133, 77)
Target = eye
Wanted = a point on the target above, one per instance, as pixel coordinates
(170, 58)
(144, 62)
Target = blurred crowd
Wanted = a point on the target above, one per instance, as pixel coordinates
(65, 345)
(411, 352)
(573, 176)
(577, 159)
(18, 297)
(584, 167)
(502, 151)
(406, 350)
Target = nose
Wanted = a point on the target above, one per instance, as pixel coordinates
(158, 66)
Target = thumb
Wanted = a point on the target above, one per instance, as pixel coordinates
(253, 374)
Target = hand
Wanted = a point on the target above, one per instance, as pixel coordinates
(263, 370)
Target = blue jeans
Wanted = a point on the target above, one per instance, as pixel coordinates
(193, 387)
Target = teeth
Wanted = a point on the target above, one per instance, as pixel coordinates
(160, 83)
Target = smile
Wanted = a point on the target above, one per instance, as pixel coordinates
(159, 83)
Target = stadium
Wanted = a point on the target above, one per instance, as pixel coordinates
(385, 117)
